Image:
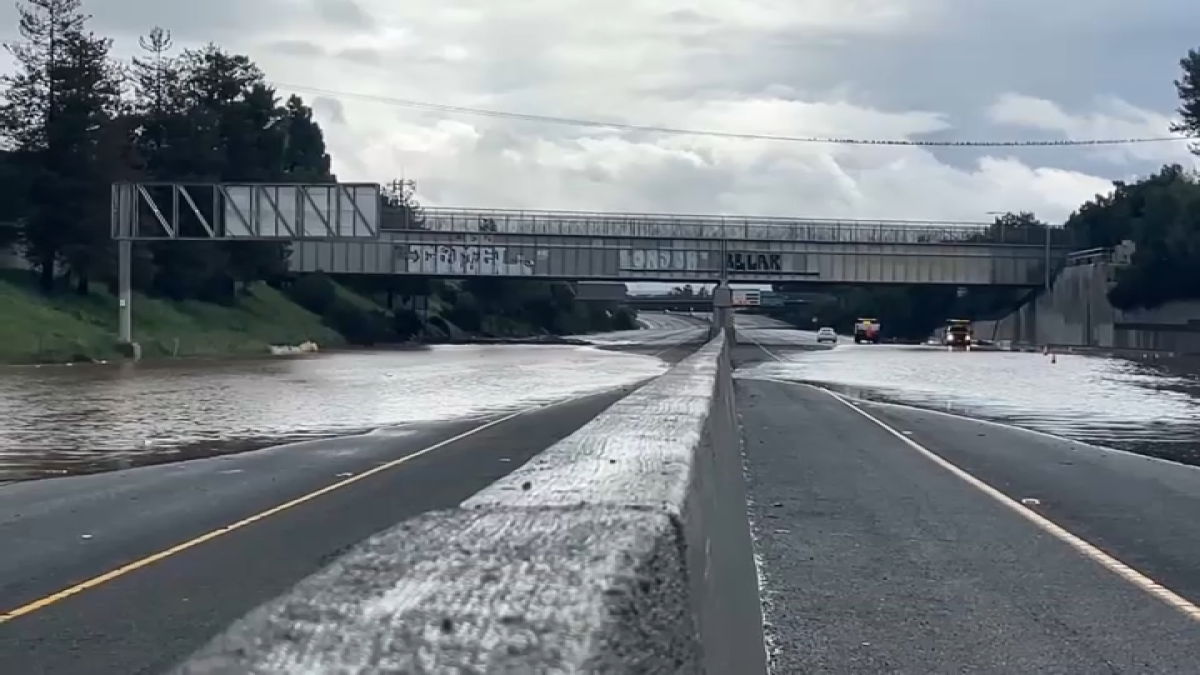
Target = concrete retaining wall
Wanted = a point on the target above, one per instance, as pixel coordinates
(1077, 313)
(624, 548)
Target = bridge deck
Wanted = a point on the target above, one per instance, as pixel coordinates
(433, 252)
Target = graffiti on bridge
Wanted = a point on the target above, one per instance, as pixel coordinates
(662, 260)
(468, 260)
(754, 262)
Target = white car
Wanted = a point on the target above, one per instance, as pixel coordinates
(826, 334)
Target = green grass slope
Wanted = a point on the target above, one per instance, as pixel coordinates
(35, 328)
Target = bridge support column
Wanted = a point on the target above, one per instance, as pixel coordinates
(722, 312)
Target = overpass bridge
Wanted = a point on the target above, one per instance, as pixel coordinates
(675, 248)
(345, 228)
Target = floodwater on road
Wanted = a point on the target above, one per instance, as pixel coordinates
(67, 419)
(1105, 401)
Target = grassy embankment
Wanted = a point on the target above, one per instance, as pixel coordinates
(35, 328)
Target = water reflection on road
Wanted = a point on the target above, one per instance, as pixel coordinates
(59, 419)
(1110, 402)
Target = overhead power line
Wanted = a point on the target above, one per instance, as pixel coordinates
(567, 121)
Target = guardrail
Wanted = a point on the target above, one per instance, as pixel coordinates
(625, 547)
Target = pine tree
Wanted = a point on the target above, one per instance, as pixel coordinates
(401, 209)
(305, 157)
(1188, 87)
(95, 145)
(158, 103)
(55, 116)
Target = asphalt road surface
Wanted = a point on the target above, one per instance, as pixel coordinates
(658, 330)
(876, 558)
(62, 532)
(744, 320)
(669, 320)
(756, 330)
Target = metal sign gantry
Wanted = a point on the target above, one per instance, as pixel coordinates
(245, 211)
(156, 211)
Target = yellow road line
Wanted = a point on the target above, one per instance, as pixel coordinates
(119, 572)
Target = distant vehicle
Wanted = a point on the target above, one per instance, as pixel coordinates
(826, 334)
(959, 334)
(866, 330)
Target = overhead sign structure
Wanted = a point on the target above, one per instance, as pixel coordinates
(233, 212)
(245, 211)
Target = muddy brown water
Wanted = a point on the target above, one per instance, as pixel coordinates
(76, 419)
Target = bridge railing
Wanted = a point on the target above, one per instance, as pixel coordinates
(1091, 256)
(686, 226)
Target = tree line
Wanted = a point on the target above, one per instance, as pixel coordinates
(74, 120)
(1159, 213)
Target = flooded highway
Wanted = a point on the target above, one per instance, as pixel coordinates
(79, 419)
(76, 419)
(1105, 401)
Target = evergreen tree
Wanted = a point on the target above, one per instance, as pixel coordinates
(55, 115)
(1188, 87)
(158, 104)
(400, 208)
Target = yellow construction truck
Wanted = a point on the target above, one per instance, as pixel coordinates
(959, 334)
(866, 330)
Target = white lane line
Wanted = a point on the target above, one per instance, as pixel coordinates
(976, 420)
(1088, 550)
(1048, 526)
(1014, 428)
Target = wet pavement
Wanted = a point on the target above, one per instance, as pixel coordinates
(84, 418)
(875, 556)
(1105, 401)
(657, 329)
(227, 533)
(81, 419)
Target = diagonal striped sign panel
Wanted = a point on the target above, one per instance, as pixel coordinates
(245, 211)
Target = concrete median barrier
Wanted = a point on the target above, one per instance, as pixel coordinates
(624, 548)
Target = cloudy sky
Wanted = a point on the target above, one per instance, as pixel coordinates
(918, 69)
